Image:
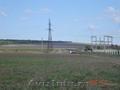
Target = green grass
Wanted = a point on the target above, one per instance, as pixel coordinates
(16, 70)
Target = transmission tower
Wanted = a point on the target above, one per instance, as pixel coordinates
(50, 45)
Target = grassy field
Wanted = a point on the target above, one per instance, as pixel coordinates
(18, 71)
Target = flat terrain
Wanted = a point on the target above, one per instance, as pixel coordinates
(18, 70)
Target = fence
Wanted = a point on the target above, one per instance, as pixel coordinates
(107, 51)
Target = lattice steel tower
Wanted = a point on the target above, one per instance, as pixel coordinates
(50, 45)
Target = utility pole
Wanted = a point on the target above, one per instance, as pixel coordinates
(42, 43)
(49, 45)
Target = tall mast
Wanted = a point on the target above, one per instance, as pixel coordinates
(50, 46)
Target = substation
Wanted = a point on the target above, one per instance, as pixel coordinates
(104, 45)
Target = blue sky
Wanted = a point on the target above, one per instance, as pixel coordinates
(72, 20)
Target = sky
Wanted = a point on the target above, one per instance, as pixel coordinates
(72, 20)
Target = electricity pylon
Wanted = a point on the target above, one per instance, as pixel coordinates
(49, 45)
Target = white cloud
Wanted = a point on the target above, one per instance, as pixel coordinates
(92, 27)
(116, 19)
(28, 13)
(114, 14)
(2, 13)
(75, 20)
(40, 11)
(110, 9)
(24, 18)
(45, 10)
